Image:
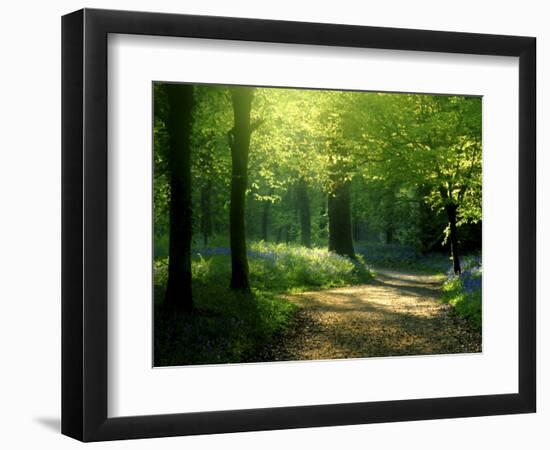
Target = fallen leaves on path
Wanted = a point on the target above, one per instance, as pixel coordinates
(397, 314)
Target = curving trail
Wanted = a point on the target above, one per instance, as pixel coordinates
(396, 314)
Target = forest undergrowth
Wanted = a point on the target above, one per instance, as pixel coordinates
(229, 326)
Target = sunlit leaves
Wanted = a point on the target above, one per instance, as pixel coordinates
(397, 149)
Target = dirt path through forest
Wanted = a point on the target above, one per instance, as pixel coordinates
(396, 314)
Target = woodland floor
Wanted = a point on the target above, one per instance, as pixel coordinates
(398, 313)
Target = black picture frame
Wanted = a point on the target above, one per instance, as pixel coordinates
(84, 224)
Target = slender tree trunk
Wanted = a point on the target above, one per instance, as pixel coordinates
(429, 222)
(302, 200)
(206, 211)
(389, 233)
(287, 233)
(239, 139)
(451, 215)
(178, 295)
(265, 221)
(339, 221)
(323, 220)
(265, 218)
(389, 213)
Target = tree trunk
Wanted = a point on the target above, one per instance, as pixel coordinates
(302, 200)
(206, 212)
(429, 222)
(265, 218)
(265, 221)
(451, 215)
(389, 233)
(239, 140)
(389, 213)
(279, 234)
(339, 221)
(178, 295)
(323, 220)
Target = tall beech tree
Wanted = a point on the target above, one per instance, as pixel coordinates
(340, 238)
(178, 295)
(450, 209)
(340, 169)
(239, 142)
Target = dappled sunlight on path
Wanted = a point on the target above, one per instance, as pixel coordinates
(396, 314)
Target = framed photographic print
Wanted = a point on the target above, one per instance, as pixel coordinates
(273, 224)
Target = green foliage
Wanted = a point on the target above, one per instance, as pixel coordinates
(404, 156)
(407, 154)
(428, 144)
(401, 256)
(278, 268)
(466, 303)
(161, 245)
(228, 326)
(291, 267)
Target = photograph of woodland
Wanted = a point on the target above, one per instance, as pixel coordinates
(300, 224)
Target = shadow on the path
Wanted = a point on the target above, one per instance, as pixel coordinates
(391, 316)
(421, 290)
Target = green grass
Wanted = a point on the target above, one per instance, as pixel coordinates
(226, 327)
(231, 327)
(466, 304)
